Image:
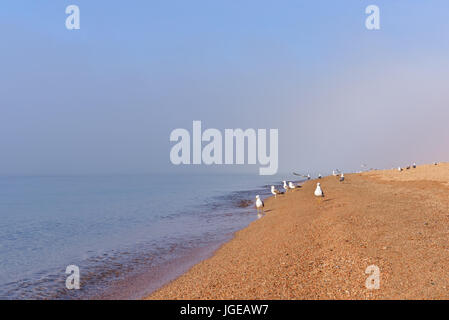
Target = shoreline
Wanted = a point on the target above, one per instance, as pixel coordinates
(140, 285)
(308, 249)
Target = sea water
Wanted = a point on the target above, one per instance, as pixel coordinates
(122, 231)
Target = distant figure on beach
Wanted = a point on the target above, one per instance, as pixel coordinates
(308, 177)
(259, 204)
(435, 163)
(342, 178)
(285, 186)
(319, 176)
(275, 191)
(414, 165)
(399, 169)
(318, 192)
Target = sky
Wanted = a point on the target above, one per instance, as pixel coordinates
(104, 99)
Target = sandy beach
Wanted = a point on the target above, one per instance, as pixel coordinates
(308, 249)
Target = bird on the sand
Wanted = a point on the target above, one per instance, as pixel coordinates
(275, 191)
(414, 165)
(342, 177)
(318, 191)
(285, 185)
(336, 172)
(399, 169)
(292, 186)
(320, 176)
(259, 204)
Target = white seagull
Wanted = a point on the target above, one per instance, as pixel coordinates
(292, 186)
(399, 169)
(275, 191)
(285, 186)
(414, 165)
(319, 176)
(318, 191)
(342, 178)
(259, 204)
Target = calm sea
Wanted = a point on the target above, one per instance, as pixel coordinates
(128, 234)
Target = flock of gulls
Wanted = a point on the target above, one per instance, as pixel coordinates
(290, 186)
(412, 166)
(408, 167)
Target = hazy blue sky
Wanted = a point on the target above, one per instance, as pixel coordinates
(105, 98)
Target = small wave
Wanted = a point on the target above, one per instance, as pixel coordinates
(244, 203)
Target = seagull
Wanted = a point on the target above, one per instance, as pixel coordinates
(342, 178)
(259, 204)
(318, 191)
(414, 165)
(275, 191)
(408, 167)
(319, 176)
(308, 177)
(435, 163)
(292, 186)
(399, 169)
(285, 186)
(336, 172)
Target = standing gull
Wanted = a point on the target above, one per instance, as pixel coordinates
(275, 191)
(318, 192)
(342, 178)
(292, 186)
(336, 172)
(259, 204)
(285, 186)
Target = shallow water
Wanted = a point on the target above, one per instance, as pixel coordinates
(122, 230)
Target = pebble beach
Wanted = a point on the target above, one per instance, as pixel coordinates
(309, 248)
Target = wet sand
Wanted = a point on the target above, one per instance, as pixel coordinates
(308, 249)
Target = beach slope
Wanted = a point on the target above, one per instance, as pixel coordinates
(309, 249)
